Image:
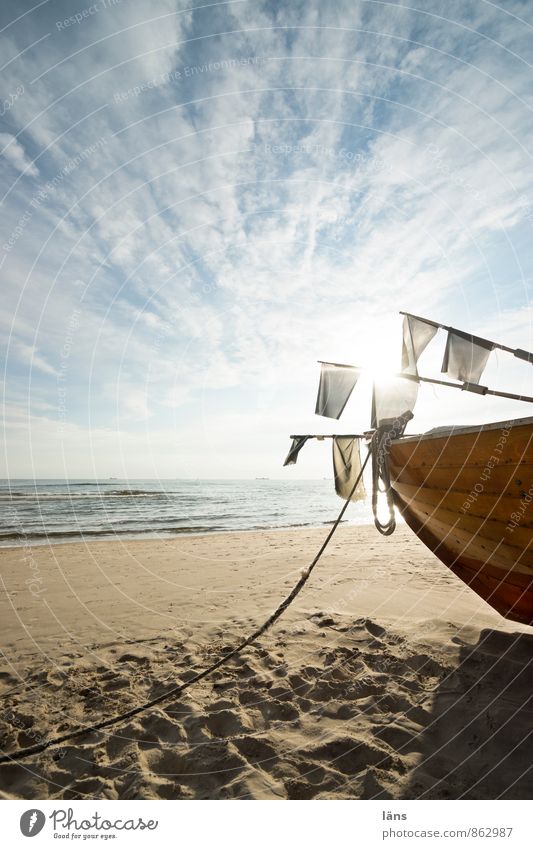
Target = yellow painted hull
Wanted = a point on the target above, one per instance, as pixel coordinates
(468, 495)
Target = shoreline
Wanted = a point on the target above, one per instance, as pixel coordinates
(146, 537)
(386, 678)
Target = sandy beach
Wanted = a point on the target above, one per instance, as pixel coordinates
(387, 678)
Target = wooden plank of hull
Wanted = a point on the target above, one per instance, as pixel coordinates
(518, 538)
(498, 508)
(473, 449)
(507, 590)
(430, 485)
(496, 552)
(512, 479)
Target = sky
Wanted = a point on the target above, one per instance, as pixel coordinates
(201, 201)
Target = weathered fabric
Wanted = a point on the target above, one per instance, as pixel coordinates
(394, 399)
(346, 467)
(297, 445)
(417, 334)
(465, 356)
(336, 386)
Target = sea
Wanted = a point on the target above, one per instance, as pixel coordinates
(33, 512)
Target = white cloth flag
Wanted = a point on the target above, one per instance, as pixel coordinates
(465, 356)
(395, 399)
(417, 334)
(297, 444)
(336, 385)
(346, 467)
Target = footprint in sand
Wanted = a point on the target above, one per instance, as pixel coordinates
(118, 741)
(119, 682)
(349, 755)
(276, 710)
(403, 740)
(93, 787)
(158, 729)
(226, 723)
(257, 750)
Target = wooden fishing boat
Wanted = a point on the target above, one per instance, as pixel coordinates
(467, 493)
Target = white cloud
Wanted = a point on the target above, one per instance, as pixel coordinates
(29, 354)
(15, 154)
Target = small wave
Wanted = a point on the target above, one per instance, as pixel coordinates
(120, 492)
(92, 483)
(70, 496)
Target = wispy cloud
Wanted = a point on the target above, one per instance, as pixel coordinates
(15, 154)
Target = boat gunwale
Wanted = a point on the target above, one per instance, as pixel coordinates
(460, 430)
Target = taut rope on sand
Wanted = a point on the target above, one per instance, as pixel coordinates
(176, 691)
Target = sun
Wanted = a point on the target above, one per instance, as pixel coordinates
(380, 362)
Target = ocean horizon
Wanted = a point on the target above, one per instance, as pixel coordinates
(55, 510)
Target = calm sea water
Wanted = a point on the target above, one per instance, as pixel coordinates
(34, 512)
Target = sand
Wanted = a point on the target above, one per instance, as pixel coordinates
(387, 678)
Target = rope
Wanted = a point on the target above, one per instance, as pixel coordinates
(381, 478)
(178, 690)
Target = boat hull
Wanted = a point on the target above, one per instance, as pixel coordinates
(467, 493)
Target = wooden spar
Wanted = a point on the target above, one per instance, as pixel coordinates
(466, 387)
(328, 435)
(516, 352)
(476, 388)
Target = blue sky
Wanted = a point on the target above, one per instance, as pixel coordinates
(199, 203)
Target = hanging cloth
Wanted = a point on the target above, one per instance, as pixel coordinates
(417, 334)
(336, 385)
(346, 467)
(297, 444)
(394, 401)
(465, 356)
